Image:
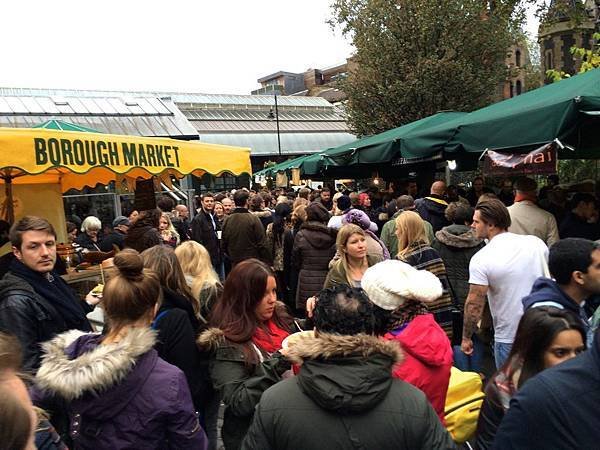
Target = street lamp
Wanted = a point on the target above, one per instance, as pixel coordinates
(275, 116)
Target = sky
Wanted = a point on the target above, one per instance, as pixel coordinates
(209, 46)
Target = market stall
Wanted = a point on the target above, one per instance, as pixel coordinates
(62, 160)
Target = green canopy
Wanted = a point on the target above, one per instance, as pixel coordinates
(377, 149)
(55, 124)
(568, 110)
(282, 167)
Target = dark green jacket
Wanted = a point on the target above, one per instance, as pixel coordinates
(241, 385)
(337, 273)
(244, 237)
(344, 397)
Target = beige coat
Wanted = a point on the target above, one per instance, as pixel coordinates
(528, 218)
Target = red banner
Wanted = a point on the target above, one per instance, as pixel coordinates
(537, 162)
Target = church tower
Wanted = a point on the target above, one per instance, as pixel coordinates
(568, 23)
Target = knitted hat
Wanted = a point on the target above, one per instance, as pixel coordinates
(343, 203)
(120, 220)
(360, 218)
(317, 212)
(391, 283)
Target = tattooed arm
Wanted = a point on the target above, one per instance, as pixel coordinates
(473, 312)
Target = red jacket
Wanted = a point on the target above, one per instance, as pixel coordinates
(427, 359)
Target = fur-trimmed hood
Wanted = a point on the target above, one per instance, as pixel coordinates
(328, 346)
(459, 236)
(210, 339)
(345, 374)
(75, 363)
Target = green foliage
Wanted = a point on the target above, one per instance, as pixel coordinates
(589, 59)
(576, 170)
(418, 57)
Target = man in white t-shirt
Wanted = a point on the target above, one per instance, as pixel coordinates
(504, 270)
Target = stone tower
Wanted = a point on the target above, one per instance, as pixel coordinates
(569, 23)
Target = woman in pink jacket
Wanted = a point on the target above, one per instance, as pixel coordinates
(402, 292)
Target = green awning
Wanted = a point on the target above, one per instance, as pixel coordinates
(556, 111)
(55, 124)
(282, 167)
(377, 149)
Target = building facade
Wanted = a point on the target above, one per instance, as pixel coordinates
(569, 23)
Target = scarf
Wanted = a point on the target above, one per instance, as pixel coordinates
(269, 337)
(404, 314)
(57, 292)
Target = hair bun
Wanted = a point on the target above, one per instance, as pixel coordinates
(129, 264)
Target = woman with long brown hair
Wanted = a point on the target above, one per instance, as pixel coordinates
(143, 233)
(249, 326)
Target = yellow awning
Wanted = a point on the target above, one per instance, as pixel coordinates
(78, 159)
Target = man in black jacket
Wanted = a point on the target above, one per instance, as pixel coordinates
(35, 302)
(433, 207)
(345, 395)
(206, 231)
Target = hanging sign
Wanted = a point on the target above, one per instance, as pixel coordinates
(145, 197)
(537, 162)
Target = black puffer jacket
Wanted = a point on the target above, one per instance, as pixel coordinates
(344, 397)
(177, 328)
(30, 317)
(456, 245)
(314, 247)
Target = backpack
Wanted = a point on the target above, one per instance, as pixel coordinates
(463, 404)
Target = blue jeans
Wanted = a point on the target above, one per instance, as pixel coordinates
(501, 351)
(469, 363)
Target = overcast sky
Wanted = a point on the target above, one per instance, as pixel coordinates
(211, 46)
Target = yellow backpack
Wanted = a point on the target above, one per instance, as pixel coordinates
(463, 403)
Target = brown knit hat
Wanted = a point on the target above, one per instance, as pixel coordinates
(316, 212)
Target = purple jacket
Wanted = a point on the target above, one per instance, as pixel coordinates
(118, 396)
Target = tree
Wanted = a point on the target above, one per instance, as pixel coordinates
(418, 57)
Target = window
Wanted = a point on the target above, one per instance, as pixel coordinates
(518, 58)
(519, 87)
(549, 60)
(512, 90)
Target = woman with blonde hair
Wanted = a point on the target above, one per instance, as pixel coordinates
(351, 244)
(167, 231)
(207, 289)
(199, 274)
(414, 249)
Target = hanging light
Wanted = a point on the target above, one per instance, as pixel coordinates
(452, 164)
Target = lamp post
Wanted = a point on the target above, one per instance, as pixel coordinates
(276, 117)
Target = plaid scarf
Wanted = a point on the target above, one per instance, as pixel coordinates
(405, 313)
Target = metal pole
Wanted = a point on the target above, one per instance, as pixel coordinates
(277, 121)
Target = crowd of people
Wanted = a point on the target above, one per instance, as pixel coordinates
(313, 318)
